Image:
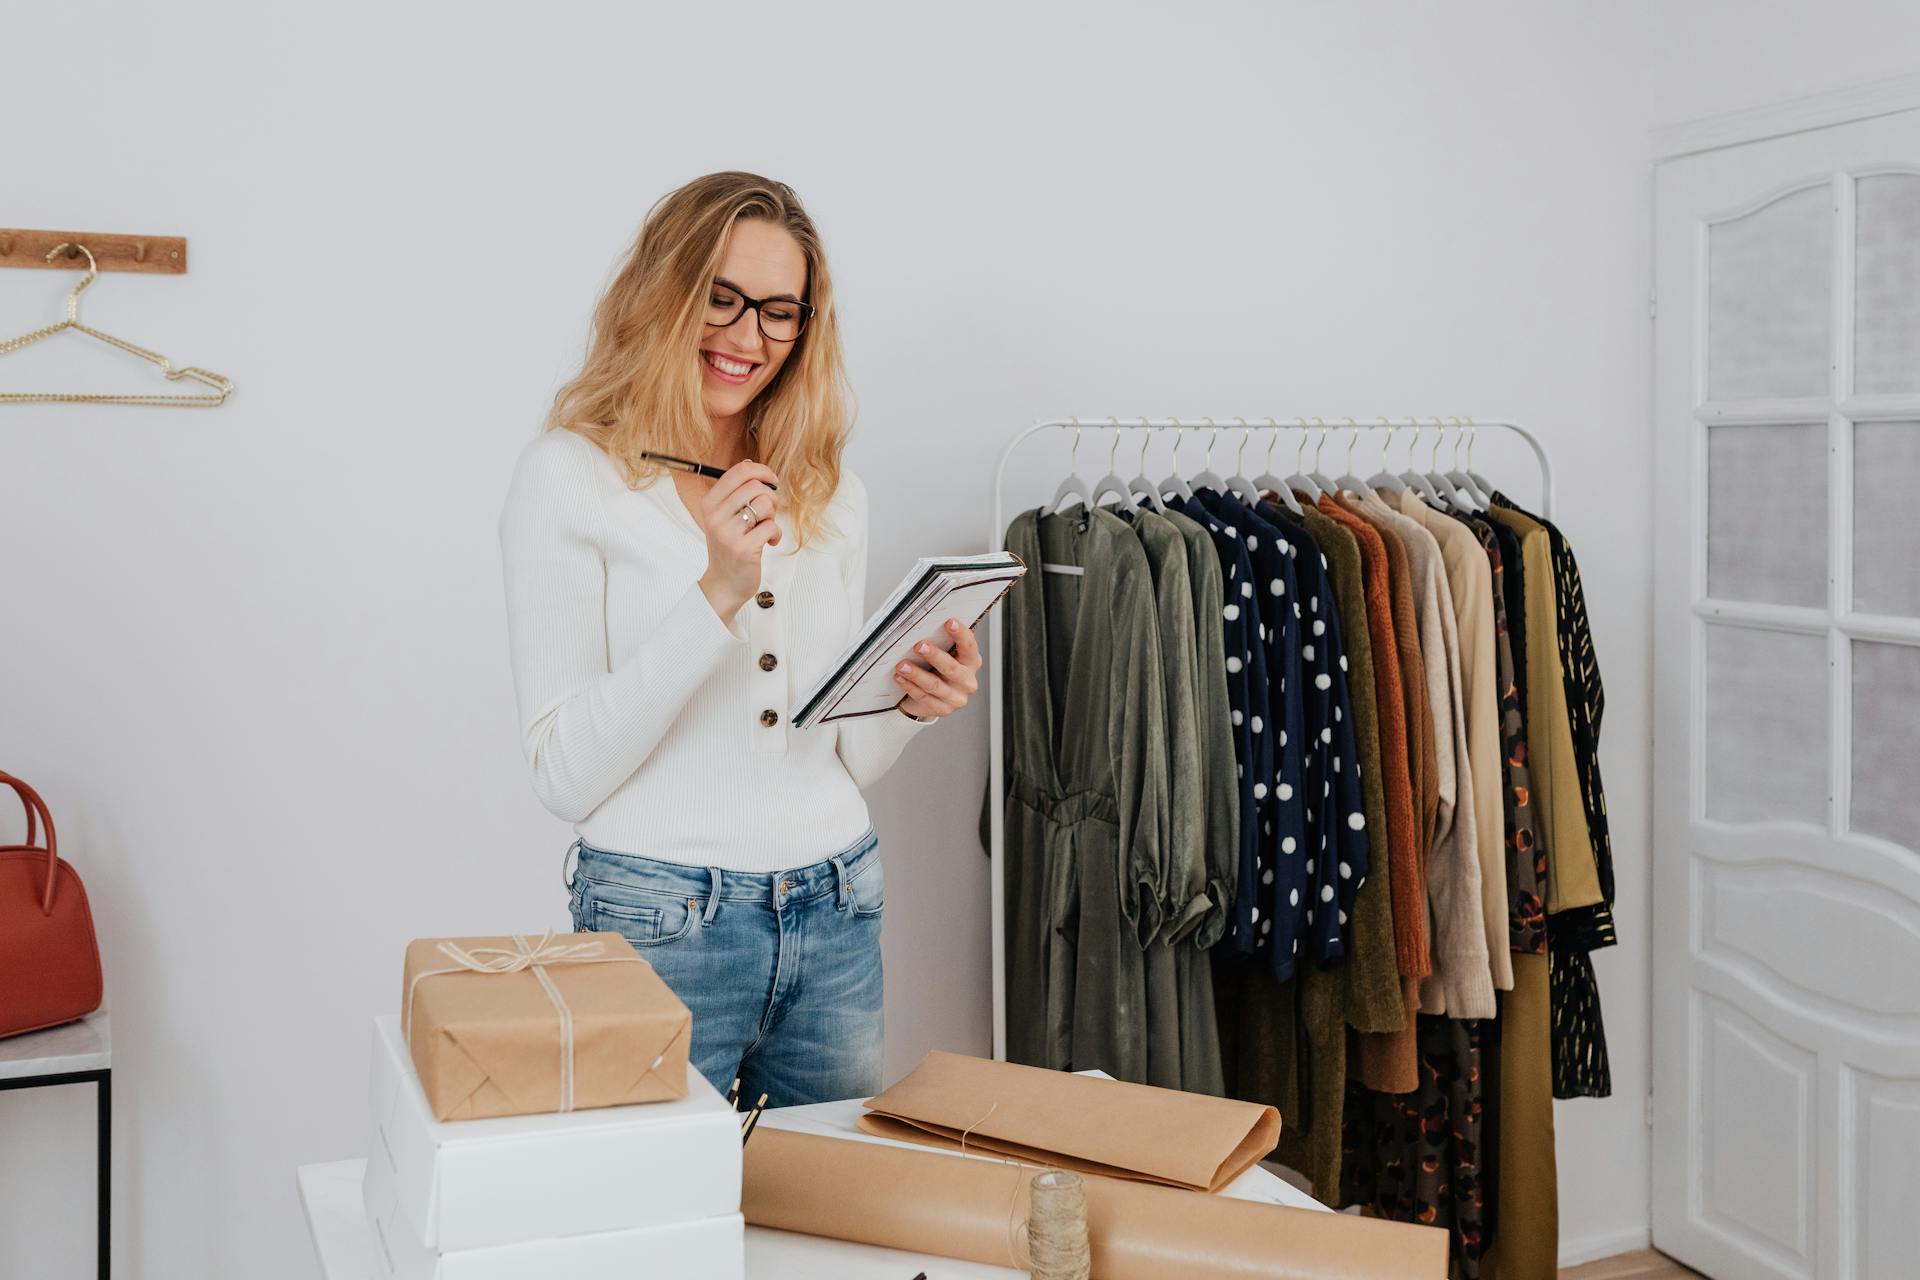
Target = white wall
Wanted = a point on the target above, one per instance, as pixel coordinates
(263, 678)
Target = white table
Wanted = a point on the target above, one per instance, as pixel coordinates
(73, 1053)
(330, 1194)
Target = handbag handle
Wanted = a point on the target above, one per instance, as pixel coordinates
(36, 807)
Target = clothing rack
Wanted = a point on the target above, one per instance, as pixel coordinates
(996, 765)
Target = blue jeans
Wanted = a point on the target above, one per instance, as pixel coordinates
(781, 969)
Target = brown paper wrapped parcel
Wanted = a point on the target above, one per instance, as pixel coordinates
(504, 1026)
(1085, 1123)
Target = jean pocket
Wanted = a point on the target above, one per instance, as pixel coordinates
(644, 924)
(868, 889)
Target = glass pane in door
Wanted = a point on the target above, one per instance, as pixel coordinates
(1886, 742)
(1766, 748)
(1769, 299)
(1767, 514)
(1886, 284)
(1886, 518)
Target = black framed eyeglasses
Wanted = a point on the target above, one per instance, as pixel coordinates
(780, 319)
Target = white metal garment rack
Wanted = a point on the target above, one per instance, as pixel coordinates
(996, 768)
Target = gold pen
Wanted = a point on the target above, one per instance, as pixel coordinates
(753, 1118)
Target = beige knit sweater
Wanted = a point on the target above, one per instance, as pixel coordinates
(1461, 983)
(1470, 579)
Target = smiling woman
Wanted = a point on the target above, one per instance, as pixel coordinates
(660, 620)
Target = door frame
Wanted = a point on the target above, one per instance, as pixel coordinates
(1791, 115)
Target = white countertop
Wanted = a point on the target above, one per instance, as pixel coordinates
(85, 1045)
(330, 1194)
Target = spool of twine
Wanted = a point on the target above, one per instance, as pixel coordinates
(1057, 1227)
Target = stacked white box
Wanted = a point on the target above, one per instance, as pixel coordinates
(705, 1247)
(626, 1190)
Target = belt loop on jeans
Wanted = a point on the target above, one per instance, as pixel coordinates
(713, 897)
(566, 877)
(843, 889)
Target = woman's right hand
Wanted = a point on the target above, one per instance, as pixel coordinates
(734, 546)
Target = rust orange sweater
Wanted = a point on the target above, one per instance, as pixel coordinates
(1410, 938)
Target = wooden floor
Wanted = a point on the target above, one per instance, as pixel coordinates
(1644, 1265)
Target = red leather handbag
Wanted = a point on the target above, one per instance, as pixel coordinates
(49, 959)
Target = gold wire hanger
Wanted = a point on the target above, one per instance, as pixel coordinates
(222, 385)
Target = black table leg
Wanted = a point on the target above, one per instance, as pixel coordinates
(102, 1080)
(104, 1184)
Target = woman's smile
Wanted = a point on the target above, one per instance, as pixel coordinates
(729, 369)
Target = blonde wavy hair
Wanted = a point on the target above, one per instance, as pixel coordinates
(639, 389)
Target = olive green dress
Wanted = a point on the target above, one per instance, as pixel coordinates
(1217, 759)
(1087, 803)
(1183, 1049)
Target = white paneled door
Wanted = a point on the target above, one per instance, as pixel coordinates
(1787, 706)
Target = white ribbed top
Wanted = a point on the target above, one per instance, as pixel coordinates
(640, 711)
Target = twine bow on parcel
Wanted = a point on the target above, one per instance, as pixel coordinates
(523, 955)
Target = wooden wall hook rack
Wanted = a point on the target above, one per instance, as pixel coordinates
(155, 255)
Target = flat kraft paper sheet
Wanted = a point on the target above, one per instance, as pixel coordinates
(1083, 1123)
(976, 1209)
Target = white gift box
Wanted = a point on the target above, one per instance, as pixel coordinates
(476, 1184)
(711, 1248)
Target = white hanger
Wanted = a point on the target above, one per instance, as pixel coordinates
(1241, 486)
(1175, 482)
(1448, 495)
(1316, 475)
(1462, 482)
(1071, 487)
(1208, 479)
(1384, 478)
(1266, 480)
(1412, 479)
(1110, 482)
(1479, 480)
(1143, 489)
(1350, 480)
(1300, 479)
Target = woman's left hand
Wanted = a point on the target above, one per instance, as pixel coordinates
(945, 689)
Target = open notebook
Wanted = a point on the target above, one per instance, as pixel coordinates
(860, 681)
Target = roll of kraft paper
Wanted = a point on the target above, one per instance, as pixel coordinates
(974, 1208)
